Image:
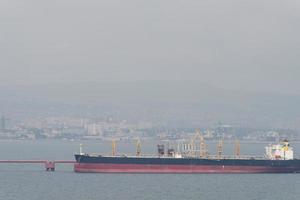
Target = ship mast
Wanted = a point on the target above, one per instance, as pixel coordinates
(80, 150)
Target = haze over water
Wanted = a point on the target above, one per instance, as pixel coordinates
(182, 63)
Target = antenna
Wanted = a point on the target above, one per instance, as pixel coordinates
(237, 149)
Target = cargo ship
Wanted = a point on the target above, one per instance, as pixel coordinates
(279, 158)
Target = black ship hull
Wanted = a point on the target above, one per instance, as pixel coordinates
(107, 164)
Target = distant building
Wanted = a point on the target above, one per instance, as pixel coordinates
(2, 123)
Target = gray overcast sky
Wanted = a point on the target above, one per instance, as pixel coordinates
(235, 44)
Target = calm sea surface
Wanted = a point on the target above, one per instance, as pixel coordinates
(30, 181)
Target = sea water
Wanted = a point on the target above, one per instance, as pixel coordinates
(32, 182)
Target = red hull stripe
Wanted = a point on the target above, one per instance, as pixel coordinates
(139, 168)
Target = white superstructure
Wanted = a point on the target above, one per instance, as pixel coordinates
(281, 151)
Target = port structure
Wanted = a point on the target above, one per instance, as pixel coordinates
(49, 165)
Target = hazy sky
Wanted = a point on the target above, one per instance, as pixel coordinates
(235, 44)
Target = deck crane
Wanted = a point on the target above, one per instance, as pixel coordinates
(138, 147)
